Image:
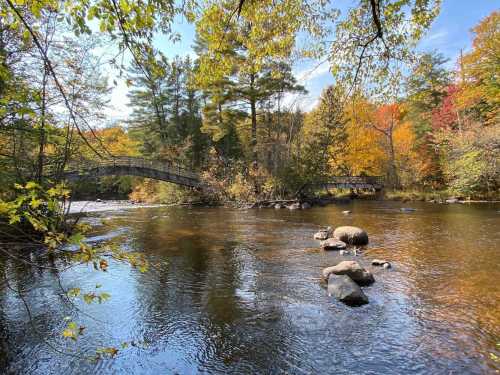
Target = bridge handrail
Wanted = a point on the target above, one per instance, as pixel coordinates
(134, 161)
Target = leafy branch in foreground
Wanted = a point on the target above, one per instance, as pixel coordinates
(37, 219)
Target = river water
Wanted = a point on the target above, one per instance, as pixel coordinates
(238, 292)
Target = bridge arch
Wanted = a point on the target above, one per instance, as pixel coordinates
(134, 166)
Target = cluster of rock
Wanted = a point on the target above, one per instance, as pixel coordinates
(344, 281)
(451, 200)
(295, 204)
(341, 237)
(346, 278)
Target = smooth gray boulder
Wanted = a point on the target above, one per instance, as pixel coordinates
(351, 235)
(345, 290)
(278, 206)
(333, 244)
(294, 206)
(352, 269)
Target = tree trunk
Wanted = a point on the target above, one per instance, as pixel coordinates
(393, 172)
(253, 112)
(41, 148)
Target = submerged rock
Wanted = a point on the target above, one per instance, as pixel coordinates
(305, 206)
(351, 235)
(407, 209)
(381, 263)
(333, 244)
(345, 290)
(352, 269)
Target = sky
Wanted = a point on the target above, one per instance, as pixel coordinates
(450, 33)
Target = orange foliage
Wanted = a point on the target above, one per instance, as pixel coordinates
(479, 71)
(364, 152)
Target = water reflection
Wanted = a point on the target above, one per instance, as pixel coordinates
(237, 292)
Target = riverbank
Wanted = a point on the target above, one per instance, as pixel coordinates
(435, 197)
(439, 197)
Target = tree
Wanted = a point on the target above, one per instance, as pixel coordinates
(376, 37)
(242, 59)
(166, 109)
(324, 136)
(479, 88)
(364, 152)
(386, 120)
(38, 133)
(427, 86)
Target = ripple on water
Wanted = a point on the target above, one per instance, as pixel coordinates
(238, 292)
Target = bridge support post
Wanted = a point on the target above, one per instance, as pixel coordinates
(379, 194)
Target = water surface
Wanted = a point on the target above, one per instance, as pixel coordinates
(238, 291)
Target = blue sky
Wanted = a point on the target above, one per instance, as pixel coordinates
(449, 34)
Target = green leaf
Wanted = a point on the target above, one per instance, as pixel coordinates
(74, 292)
(76, 238)
(89, 298)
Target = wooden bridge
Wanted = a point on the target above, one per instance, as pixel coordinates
(169, 172)
(374, 183)
(134, 166)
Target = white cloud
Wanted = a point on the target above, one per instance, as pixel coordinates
(434, 39)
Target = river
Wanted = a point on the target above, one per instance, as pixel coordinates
(237, 292)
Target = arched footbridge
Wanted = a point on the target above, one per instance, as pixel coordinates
(170, 172)
(134, 166)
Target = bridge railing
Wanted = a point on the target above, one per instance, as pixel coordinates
(131, 161)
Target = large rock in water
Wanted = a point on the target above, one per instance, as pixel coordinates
(294, 206)
(346, 290)
(333, 244)
(352, 269)
(351, 235)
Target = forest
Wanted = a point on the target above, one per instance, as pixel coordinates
(231, 113)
